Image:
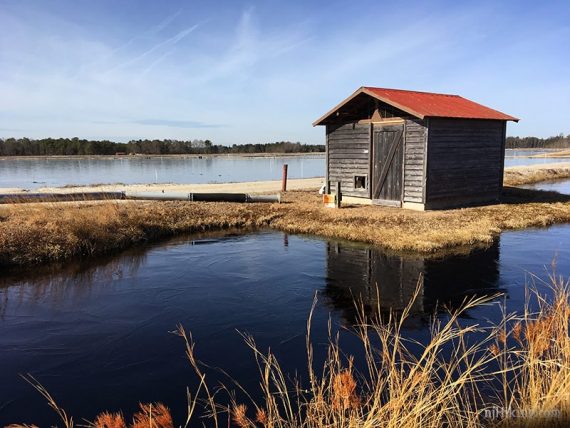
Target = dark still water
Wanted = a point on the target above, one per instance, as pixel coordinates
(97, 335)
(54, 172)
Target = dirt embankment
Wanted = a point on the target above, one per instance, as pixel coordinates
(243, 187)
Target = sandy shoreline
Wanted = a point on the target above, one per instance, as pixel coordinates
(243, 187)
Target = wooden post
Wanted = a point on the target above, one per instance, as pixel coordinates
(338, 197)
(284, 179)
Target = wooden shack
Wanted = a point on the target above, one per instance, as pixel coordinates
(417, 150)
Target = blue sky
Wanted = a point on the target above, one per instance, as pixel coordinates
(261, 71)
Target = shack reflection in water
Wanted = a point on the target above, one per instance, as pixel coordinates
(379, 280)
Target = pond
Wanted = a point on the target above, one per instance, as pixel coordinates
(528, 152)
(97, 334)
(54, 172)
(34, 173)
(533, 161)
(560, 186)
(520, 157)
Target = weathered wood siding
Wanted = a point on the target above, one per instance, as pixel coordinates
(464, 161)
(348, 154)
(414, 160)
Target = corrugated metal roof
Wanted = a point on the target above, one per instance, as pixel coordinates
(428, 104)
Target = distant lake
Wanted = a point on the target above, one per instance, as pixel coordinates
(517, 157)
(33, 173)
(528, 152)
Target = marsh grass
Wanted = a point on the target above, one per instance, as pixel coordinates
(533, 354)
(36, 233)
(518, 176)
(149, 415)
(397, 388)
(444, 382)
(54, 232)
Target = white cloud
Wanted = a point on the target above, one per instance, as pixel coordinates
(155, 48)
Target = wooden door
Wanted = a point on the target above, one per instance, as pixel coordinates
(388, 164)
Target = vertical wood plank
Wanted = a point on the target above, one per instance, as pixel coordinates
(327, 161)
(371, 157)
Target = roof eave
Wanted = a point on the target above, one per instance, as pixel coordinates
(364, 90)
(335, 108)
(394, 104)
(507, 119)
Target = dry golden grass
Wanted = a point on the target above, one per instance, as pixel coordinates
(445, 382)
(518, 176)
(37, 233)
(425, 232)
(152, 416)
(526, 359)
(110, 420)
(535, 350)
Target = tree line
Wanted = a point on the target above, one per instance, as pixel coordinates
(557, 142)
(76, 146)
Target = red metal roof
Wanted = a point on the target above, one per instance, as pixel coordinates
(428, 104)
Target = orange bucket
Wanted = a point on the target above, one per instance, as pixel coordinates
(329, 201)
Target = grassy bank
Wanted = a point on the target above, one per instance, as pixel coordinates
(521, 175)
(38, 233)
(514, 374)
